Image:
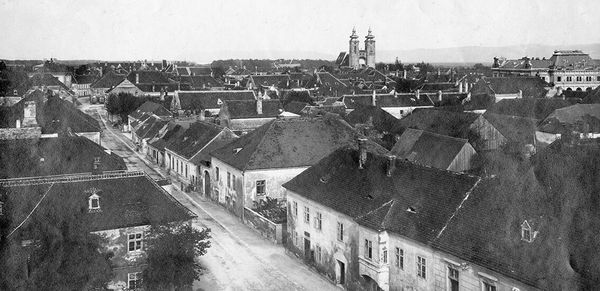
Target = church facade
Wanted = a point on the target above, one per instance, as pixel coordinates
(356, 58)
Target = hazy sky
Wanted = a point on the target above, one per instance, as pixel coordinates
(204, 30)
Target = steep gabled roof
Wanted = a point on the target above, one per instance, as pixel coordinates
(514, 128)
(428, 149)
(200, 82)
(295, 107)
(46, 79)
(53, 156)
(270, 80)
(380, 202)
(444, 122)
(288, 143)
(210, 99)
(196, 137)
(109, 80)
(239, 109)
(150, 107)
(171, 133)
(386, 100)
(533, 87)
(145, 203)
(148, 77)
(574, 115)
(381, 119)
(530, 108)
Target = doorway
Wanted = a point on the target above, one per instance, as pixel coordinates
(206, 184)
(307, 254)
(341, 275)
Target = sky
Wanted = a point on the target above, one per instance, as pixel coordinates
(205, 30)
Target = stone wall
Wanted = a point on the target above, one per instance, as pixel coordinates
(272, 231)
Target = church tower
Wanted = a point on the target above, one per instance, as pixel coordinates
(354, 52)
(370, 49)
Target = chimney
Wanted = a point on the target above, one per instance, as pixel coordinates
(418, 94)
(460, 87)
(374, 99)
(259, 104)
(403, 74)
(202, 115)
(96, 166)
(18, 123)
(391, 165)
(520, 94)
(362, 152)
(137, 78)
(439, 96)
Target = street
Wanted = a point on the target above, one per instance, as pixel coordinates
(239, 258)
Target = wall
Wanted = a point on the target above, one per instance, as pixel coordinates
(182, 169)
(248, 124)
(230, 197)
(489, 138)
(123, 261)
(93, 136)
(400, 112)
(268, 229)
(274, 178)
(332, 249)
(464, 160)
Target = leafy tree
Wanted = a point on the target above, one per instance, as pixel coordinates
(123, 104)
(63, 254)
(172, 253)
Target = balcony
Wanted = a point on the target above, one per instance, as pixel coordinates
(376, 271)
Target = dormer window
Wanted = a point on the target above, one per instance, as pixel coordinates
(527, 234)
(93, 200)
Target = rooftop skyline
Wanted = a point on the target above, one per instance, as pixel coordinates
(205, 30)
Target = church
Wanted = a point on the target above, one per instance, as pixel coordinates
(356, 58)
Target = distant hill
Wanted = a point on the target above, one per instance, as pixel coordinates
(477, 54)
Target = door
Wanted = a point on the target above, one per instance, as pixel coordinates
(206, 184)
(342, 275)
(307, 245)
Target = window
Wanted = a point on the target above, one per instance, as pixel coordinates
(400, 258)
(340, 231)
(295, 209)
(421, 267)
(368, 249)
(579, 78)
(295, 238)
(526, 233)
(134, 241)
(134, 281)
(260, 187)
(598, 78)
(186, 170)
(385, 255)
(452, 278)
(558, 79)
(94, 202)
(232, 181)
(569, 79)
(588, 79)
(318, 217)
(488, 286)
(228, 180)
(306, 214)
(318, 253)
(217, 173)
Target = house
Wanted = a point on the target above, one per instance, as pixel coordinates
(397, 104)
(166, 135)
(81, 84)
(255, 166)
(147, 130)
(201, 82)
(148, 107)
(261, 82)
(119, 206)
(54, 116)
(374, 222)
(194, 71)
(44, 82)
(538, 108)
(105, 83)
(194, 102)
(145, 83)
(487, 91)
(376, 117)
(581, 119)
(434, 150)
(326, 84)
(247, 115)
(515, 130)
(54, 156)
(59, 71)
(188, 156)
(571, 70)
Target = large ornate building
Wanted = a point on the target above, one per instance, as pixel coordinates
(355, 57)
(570, 70)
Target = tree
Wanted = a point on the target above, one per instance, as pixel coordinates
(123, 104)
(172, 253)
(62, 255)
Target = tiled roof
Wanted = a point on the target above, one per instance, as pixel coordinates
(571, 116)
(537, 108)
(288, 143)
(109, 80)
(386, 100)
(150, 107)
(210, 99)
(451, 123)
(270, 80)
(239, 109)
(295, 107)
(148, 77)
(200, 71)
(183, 71)
(514, 128)
(84, 79)
(56, 115)
(172, 132)
(382, 120)
(150, 127)
(380, 202)
(533, 87)
(46, 79)
(200, 82)
(197, 136)
(427, 148)
(124, 202)
(62, 155)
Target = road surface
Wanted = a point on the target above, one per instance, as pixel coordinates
(239, 258)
